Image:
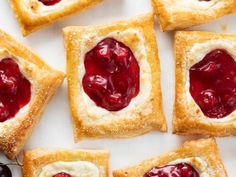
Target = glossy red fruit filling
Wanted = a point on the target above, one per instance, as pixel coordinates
(213, 84)
(176, 170)
(62, 175)
(112, 75)
(49, 2)
(15, 89)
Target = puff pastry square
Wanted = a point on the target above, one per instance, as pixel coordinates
(202, 154)
(44, 83)
(180, 14)
(33, 14)
(139, 116)
(47, 163)
(190, 48)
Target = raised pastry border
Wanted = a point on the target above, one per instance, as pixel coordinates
(15, 132)
(115, 128)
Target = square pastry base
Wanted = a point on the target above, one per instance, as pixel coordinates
(144, 112)
(190, 48)
(44, 81)
(180, 14)
(33, 15)
(202, 154)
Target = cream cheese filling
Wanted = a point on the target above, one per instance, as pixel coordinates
(195, 54)
(198, 163)
(189, 5)
(140, 101)
(40, 8)
(75, 169)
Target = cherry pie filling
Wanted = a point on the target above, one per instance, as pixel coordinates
(62, 174)
(176, 170)
(111, 77)
(15, 89)
(213, 84)
(49, 2)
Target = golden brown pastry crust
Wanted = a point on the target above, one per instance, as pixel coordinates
(180, 18)
(31, 21)
(34, 160)
(184, 121)
(45, 81)
(204, 148)
(116, 127)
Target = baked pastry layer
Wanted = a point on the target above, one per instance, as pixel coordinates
(33, 15)
(190, 48)
(44, 80)
(36, 162)
(180, 14)
(145, 110)
(202, 154)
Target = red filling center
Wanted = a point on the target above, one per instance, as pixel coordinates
(15, 89)
(62, 175)
(49, 2)
(213, 84)
(112, 75)
(177, 170)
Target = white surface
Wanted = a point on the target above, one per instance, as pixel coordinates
(55, 128)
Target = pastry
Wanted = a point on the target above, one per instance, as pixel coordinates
(26, 85)
(35, 14)
(205, 83)
(114, 79)
(65, 163)
(180, 14)
(199, 158)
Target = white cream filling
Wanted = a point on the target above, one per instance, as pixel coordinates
(189, 5)
(195, 54)
(145, 81)
(198, 163)
(41, 8)
(75, 169)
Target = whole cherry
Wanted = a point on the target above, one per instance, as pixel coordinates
(5, 171)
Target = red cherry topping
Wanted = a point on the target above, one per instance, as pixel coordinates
(176, 170)
(213, 84)
(112, 75)
(49, 2)
(15, 89)
(62, 175)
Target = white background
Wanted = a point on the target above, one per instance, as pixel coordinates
(55, 128)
